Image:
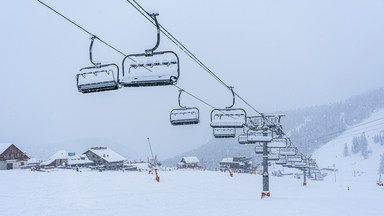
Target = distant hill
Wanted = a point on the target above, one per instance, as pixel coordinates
(309, 128)
(348, 155)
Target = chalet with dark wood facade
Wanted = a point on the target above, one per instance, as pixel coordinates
(188, 162)
(11, 157)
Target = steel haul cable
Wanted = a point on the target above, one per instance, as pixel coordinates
(104, 42)
(189, 53)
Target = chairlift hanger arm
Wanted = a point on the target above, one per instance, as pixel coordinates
(97, 64)
(180, 91)
(233, 98)
(154, 15)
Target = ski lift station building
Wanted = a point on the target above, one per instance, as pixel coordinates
(188, 162)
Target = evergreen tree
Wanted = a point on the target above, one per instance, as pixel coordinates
(346, 152)
(364, 145)
(381, 167)
(355, 145)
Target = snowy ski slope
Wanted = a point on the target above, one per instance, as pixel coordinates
(333, 152)
(191, 193)
(188, 193)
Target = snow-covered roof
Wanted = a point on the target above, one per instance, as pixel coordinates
(190, 160)
(227, 160)
(79, 159)
(62, 154)
(4, 146)
(107, 154)
(141, 165)
(33, 161)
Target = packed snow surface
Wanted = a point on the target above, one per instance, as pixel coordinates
(187, 193)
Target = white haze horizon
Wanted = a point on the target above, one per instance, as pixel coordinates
(278, 55)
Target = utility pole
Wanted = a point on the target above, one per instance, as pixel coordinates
(305, 177)
(265, 171)
(150, 147)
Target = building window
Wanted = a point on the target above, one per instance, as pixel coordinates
(10, 156)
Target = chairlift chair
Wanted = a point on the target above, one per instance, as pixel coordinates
(302, 165)
(228, 117)
(278, 143)
(288, 151)
(254, 122)
(296, 158)
(184, 115)
(288, 164)
(243, 138)
(260, 136)
(224, 132)
(154, 72)
(273, 119)
(99, 77)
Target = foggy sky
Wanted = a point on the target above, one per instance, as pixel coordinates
(279, 55)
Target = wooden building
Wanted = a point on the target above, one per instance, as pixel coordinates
(59, 159)
(105, 157)
(240, 163)
(11, 157)
(188, 162)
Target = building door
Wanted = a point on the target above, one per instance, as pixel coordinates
(9, 166)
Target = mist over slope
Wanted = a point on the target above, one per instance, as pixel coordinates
(309, 128)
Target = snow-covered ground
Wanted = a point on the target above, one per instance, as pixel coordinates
(198, 193)
(67, 192)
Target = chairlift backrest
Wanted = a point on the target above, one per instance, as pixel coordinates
(288, 164)
(152, 73)
(301, 165)
(278, 143)
(254, 122)
(243, 139)
(98, 78)
(273, 119)
(184, 116)
(224, 132)
(228, 118)
(296, 158)
(260, 136)
(288, 151)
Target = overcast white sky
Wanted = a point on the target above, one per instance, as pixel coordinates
(278, 54)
